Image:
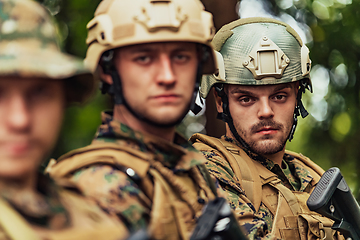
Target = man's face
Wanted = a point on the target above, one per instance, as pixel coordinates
(31, 112)
(263, 115)
(158, 78)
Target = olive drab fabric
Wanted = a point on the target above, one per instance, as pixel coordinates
(147, 181)
(258, 51)
(29, 48)
(257, 188)
(127, 22)
(64, 215)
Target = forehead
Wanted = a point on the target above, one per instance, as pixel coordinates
(234, 88)
(161, 46)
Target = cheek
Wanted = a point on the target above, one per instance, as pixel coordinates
(135, 84)
(186, 78)
(47, 124)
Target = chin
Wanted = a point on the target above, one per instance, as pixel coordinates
(16, 173)
(170, 122)
(267, 147)
(18, 168)
(168, 117)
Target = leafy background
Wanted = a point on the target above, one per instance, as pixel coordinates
(330, 135)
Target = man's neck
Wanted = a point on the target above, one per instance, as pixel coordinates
(25, 183)
(277, 158)
(123, 115)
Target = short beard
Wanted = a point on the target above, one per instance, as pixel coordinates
(264, 148)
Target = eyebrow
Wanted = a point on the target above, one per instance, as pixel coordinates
(283, 86)
(246, 92)
(140, 49)
(237, 90)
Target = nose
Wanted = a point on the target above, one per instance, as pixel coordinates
(18, 114)
(166, 73)
(265, 109)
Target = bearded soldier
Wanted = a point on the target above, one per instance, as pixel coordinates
(150, 56)
(37, 82)
(263, 72)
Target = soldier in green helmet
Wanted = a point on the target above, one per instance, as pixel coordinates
(37, 82)
(263, 70)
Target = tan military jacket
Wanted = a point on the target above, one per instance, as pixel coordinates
(141, 178)
(259, 192)
(61, 215)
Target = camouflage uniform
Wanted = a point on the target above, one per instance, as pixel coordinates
(257, 222)
(29, 49)
(140, 203)
(52, 212)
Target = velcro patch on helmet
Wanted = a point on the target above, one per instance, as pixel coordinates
(266, 59)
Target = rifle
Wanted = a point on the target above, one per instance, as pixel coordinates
(217, 222)
(332, 198)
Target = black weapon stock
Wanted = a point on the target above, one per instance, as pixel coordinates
(217, 223)
(332, 198)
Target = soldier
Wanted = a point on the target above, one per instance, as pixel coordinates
(150, 56)
(37, 82)
(263, 71)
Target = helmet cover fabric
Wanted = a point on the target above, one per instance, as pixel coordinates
(29, 48)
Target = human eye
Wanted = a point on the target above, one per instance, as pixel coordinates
(2, 91)
(181, 57)
(143, 59)
(246, 100)
(280, 97)
(40, 92)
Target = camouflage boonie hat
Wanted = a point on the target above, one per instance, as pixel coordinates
(29, 48)
(258, 51)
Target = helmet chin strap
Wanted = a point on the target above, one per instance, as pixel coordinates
(226, 116)
(299, 109)
(116, 89)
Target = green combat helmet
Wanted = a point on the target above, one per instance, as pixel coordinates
(28, 48)
(258, 51)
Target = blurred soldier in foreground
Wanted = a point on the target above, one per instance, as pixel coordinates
(264, 70)
(37, 82)
(150, 56)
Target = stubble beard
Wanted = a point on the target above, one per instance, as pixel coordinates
(267, 144)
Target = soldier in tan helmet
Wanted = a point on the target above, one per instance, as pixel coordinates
(150, 56)
(37, 82)
(263, 70)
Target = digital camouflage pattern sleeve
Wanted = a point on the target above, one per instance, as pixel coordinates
(116, 193)
(257, 225)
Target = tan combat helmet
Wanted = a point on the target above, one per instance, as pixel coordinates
(258, 51)
(29, 48)
(119, 23)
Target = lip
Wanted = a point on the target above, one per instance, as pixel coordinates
(16, 148)
(267, 130)
(166, 97)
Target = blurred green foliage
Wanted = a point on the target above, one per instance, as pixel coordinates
(335, 139)
(330, 135)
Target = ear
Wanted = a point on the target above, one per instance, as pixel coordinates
(105, 77)
(218, 102)
(297, 84)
